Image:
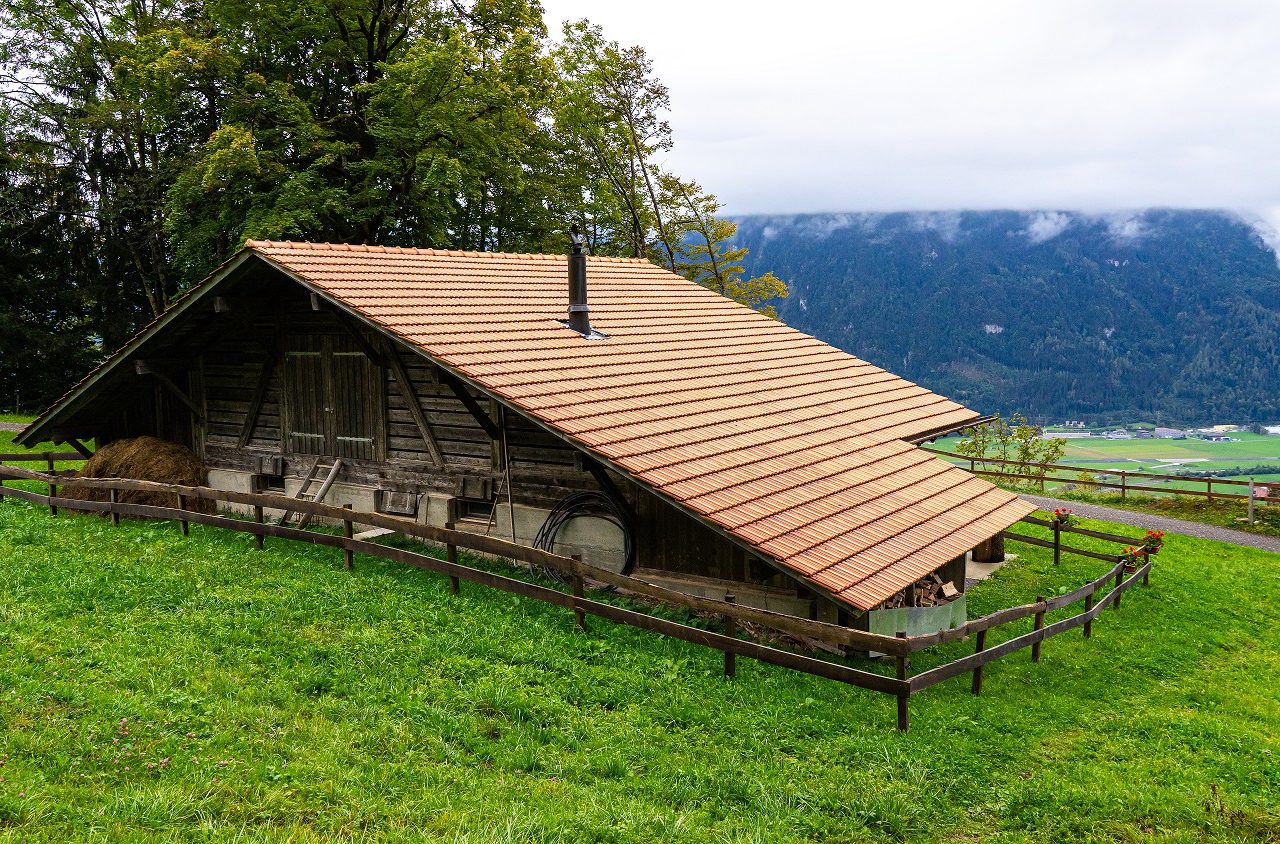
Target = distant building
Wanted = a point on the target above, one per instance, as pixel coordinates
(1225, 429)
(1145, 435)
(1220, 438)
(1273, 430)
(1118, 435)
(1171, 434)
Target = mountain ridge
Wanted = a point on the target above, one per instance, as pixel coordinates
(1161, 314)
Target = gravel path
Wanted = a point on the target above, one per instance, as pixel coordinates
(1150, 522)
(11, 426)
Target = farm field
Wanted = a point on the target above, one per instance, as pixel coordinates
(1172, 457)
(162, 688)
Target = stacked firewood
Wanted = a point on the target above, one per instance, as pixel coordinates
(928, 592)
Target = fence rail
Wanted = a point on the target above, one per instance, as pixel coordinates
(1123, 484)
(729, 613)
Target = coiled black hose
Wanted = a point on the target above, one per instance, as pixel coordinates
(596, 505)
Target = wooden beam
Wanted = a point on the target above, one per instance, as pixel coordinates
(269, 367)
(146, 367)
(473, 407)
(79, 446)
(609, 487)
(362, 342)
(415, 407)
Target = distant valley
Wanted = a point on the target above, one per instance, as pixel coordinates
(1167, 316)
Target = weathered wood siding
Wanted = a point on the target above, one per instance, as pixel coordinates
(231, 370)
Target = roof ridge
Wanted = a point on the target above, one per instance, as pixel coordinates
(321, 246)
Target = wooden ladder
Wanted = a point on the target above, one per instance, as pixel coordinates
(304, 494)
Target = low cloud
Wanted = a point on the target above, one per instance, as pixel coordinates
(1046, 225)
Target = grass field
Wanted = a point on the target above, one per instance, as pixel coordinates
(1238, 461)
(161, 688)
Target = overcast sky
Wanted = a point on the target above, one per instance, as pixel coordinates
(802, 105)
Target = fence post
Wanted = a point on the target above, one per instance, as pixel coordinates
(1115, 605)
(904, 716)
(1251, 501)
(258, 538)
(1057, 542)
(1124, 485)
(183, 523)
(348, 531)
(1208, 488)
(53, 487)
(451, 554)
(730, 630)
(976, 688)
(1088, 624)
(114, 498)
(1039, 624)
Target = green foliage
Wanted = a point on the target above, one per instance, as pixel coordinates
(1014, 440)
(706, 254)
(143, 142)
(1178, 325)
(161, 688)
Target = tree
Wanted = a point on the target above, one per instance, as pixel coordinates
(706, 255)
(1016, 441)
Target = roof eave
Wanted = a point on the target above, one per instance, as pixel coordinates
(45, 425)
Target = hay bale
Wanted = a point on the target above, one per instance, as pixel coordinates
(144, 459)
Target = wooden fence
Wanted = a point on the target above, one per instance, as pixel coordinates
(1125, 479)
(730, 614)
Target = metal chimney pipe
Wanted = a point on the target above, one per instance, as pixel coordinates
(578, 310)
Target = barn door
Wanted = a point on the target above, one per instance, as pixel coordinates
(333, 398)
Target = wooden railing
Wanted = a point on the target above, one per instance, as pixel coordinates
(731, 615)
(1125, 483)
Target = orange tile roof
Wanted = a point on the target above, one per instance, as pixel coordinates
(789, 445)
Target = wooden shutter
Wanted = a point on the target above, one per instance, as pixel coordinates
(357, 404)
(306, 431)
(333, 398)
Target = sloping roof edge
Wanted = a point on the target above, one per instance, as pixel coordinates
(44, 425)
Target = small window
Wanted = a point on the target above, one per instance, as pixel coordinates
(474, 508)
(268, 483)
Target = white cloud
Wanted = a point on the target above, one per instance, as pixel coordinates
(1126, 226)
(1266, 225)
(933, 104)
(1046, 225)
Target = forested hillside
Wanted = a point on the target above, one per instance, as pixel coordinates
(1166, 315)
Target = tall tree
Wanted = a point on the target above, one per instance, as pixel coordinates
(705, 252)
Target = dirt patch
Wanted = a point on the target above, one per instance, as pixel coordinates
(144, 459)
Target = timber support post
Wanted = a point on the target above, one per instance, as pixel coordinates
(451, 554)
(183, 523)
(730, 630)
(114, 498)
(904, 715)
(579, 592)
(53, 488)
(1088, 607)
(348, 556)
(1039, 625)
(976, 686)
(1124, 485)
(258, 538)
(1115, 605)
(1057, 542)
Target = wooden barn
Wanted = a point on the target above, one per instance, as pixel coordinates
(653, 426)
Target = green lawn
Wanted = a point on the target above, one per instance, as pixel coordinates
(160, 688)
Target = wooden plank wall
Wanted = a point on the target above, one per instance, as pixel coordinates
(462, 441)
(231, 370)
